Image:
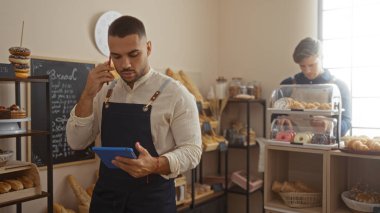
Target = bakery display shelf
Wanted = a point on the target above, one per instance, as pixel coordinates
(239, 190)
(279, 206)
(24, 199)
(304, 112)
(233, 146)
(26, 133)
(14, 166)
(35, 79)
(355, 155)
(219, 146)
(15, 120)
(303, 146)
(240, 100)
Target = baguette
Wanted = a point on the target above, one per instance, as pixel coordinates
(191, 86)
(58, 208)
(79, 192)
(174, 75)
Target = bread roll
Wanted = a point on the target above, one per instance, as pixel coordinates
(26, 181)
(288, 187)
(15, 184)
(276, 186)
(79, 192)
(4, 187)
(302, 187)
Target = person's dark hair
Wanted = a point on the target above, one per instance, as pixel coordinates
(126, 25)
(306, 48)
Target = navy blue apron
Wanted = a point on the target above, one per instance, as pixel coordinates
(116, 191)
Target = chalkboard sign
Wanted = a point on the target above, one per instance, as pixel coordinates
(6, 71)
(67, 81)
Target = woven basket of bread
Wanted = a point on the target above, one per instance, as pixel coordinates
(356, 205)
(301, 199)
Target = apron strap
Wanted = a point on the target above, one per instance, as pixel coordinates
(146, 107)
(156, 94)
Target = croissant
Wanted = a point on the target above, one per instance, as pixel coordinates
(276, 186)
(288, 187)
(302, 187)
(357, 145)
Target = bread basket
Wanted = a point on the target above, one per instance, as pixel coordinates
(356, 205)
(301, 199)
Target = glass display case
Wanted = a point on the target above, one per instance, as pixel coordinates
(307, 114)
(306, 97)
(318, 130)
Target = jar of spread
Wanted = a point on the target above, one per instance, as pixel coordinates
(234, 87)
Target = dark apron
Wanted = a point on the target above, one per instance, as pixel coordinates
(116, 191)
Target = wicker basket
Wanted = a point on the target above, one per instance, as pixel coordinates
(358, 206)
(301, 199)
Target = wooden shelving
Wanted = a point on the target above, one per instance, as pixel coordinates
(330, 171)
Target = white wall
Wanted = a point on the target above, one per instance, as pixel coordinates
(257, 38)
(253, 39)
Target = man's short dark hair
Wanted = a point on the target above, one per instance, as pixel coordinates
(126, 25)
(306, 48)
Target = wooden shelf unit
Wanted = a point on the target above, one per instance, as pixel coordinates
(329, 171)
(45, 80)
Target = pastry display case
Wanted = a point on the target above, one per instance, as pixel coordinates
(306, 97)
(306, 114)
(311, 131)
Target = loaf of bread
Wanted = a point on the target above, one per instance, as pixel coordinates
(4, 187)
(26, 181)
(79, 192)
(15, 184)
(291, 186)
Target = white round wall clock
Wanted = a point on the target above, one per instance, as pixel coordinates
(101, 30)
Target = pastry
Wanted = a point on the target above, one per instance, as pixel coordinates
(26, 181)
(320, 139)
(287, 136)
(288, 187)
(302, 187)
(283, 103)
(325, 106)
(19, 59)
(276, 186)
(4, 187)
(24, 68)
(297, 105)
(19, 51)
(303, 137)
(357, 145)
(15, 184)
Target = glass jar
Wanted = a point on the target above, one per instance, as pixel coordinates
(258, 94)
(234, 87)
(251, 89)
(220, 88)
